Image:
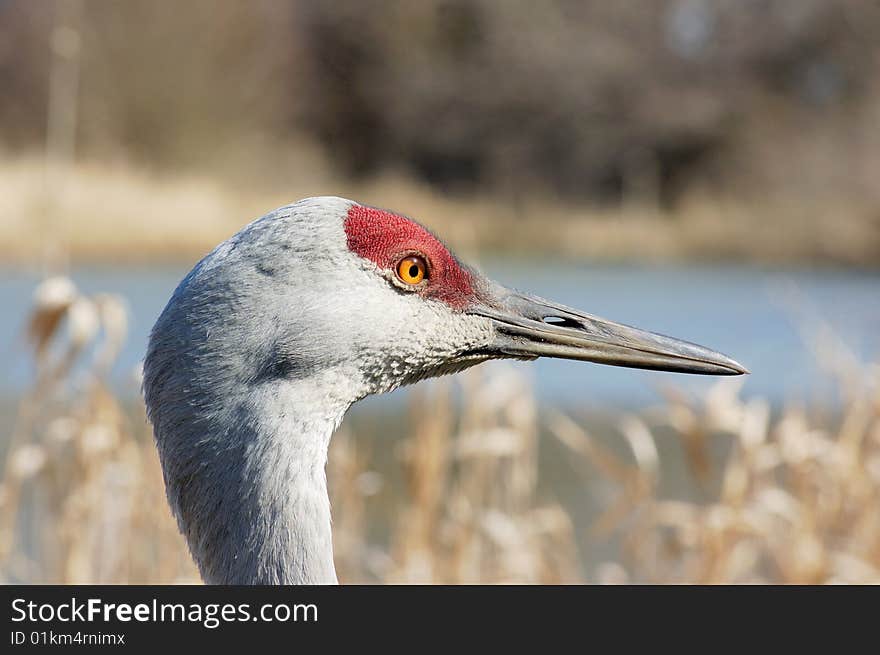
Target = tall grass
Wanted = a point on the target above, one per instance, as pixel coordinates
(795, 496)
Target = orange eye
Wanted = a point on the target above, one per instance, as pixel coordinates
(412, 269)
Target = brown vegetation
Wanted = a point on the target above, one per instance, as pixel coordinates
(82, 497)
(104, 213)
(682, 129)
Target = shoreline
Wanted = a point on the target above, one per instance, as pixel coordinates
(102, 213)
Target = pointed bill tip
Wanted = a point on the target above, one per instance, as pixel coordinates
(737, 368)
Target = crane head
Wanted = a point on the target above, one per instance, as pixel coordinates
(352, 286)
(374, 300)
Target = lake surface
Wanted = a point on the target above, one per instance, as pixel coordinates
(738, 311)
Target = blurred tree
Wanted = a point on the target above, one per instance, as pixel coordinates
(610, 102)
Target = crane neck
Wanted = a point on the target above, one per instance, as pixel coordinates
(258, 510)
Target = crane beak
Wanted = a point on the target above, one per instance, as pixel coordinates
(528, 327)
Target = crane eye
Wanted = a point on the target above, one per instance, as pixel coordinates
(412, 269)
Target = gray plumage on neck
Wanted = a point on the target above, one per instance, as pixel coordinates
(251, 367)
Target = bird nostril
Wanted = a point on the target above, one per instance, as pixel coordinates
(561, 321)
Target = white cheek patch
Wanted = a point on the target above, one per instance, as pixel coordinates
(411, 338)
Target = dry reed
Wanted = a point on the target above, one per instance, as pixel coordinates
(82, 497)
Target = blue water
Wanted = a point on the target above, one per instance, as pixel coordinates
(738, 311)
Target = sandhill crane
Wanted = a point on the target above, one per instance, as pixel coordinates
(268, 341)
